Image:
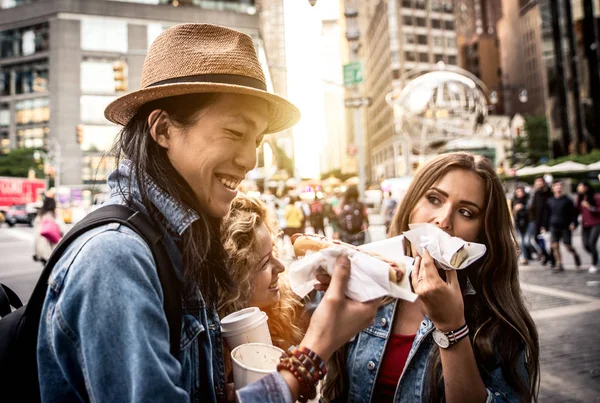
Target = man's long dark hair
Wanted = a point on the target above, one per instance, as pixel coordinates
(204, 258)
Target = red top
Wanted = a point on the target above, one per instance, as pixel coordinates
(392, 365)
(590, 218)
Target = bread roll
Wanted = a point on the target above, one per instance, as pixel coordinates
(303, 243)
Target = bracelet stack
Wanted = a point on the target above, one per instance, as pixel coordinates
(307, 367)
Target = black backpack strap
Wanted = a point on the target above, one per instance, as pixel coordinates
(124, 215)
(8, 299)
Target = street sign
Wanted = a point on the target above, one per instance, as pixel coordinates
(353, 73)
(358, 102)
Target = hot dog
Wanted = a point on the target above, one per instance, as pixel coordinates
(303, 243)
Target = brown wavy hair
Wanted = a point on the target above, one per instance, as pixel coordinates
(239, 237)
(502, 324)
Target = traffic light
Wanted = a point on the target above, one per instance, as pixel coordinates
(120, 76)
(79, 133)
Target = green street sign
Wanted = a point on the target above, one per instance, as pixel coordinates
(353, 73)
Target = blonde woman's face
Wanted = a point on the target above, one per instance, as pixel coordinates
(455, 203)
(265, 281)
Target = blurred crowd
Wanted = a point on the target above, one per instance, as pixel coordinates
(547, 217)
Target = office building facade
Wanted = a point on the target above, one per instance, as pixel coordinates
(62, 62)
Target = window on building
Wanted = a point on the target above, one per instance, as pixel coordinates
(421, 22)
(451, 42)
(422, 39)
(452, 60)
(438, 41)
(104, 34)
(31, 77)
(448, 7)
(407, 3)
(98, 138)
(4, 81)
(92, 108)
(438, 57)
(409, 56)
(423, 57)
(13, 3)
(420, 4)
(449, 25)
(96, 168)
(24, 41)
(98, 76)
(33, 138)
(409, 38)
(31, 111)
(4, 115)
(4, 142)
(436, 24)
(407, 19)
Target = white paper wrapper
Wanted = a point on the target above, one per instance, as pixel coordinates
(442, 246)
(368, 276)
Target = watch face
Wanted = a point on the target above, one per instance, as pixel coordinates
(441, 339)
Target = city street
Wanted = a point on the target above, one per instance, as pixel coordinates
(565, 306)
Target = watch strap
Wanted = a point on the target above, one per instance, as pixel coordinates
(454, 336)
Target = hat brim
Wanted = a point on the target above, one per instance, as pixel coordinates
(282, 113)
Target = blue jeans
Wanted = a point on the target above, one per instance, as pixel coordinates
(525, 241)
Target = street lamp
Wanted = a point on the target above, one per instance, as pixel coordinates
(523, 97)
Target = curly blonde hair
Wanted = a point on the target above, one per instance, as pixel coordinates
(239, 237)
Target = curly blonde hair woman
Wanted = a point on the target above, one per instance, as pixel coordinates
(248, 234)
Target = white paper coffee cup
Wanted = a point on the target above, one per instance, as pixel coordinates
(254, 361)
(245, 326)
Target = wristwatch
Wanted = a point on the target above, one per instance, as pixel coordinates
(447, 339)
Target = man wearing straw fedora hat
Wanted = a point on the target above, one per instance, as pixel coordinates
(189, 137)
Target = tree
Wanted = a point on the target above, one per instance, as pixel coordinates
(533, 147)
(281, 158)
(18, 162)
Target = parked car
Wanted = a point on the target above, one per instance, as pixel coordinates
(20, 214)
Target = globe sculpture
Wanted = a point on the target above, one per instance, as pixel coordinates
(437, 105)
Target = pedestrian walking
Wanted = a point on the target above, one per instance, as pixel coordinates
(317, 216)
(468, 337)
(189, 138)
(588, 206)
(353, 218)
(48, 231)
(519, 204)
(294, 217)
(538, 215)
(561, 221)
(388, 209)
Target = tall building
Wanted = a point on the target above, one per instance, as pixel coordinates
(478, 44)
(272, 34)
(547, 48)
(62, 62)
(519, 32)
(403, 35)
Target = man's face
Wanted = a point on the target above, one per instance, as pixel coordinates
(215, 153)
(557, 188)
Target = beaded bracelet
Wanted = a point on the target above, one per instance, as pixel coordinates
(316, 359)
(308, 388)
(308, 363)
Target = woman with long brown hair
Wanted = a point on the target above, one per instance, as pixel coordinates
(468, 337)
(249, 235)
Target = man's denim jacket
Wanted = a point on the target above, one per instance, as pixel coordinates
(103, 333)
(365, 354)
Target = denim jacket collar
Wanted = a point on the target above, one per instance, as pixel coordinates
(175, 216)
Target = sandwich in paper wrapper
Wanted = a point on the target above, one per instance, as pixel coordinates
(449, 251)
(369, 276)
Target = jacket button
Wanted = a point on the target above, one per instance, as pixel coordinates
(371, 365)
(383, 322)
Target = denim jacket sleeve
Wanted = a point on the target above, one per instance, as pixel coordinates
(270, 389)
(107, 328)
(498, 390)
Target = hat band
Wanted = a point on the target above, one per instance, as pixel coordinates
(233, 79)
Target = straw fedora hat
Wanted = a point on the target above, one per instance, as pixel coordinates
(202, 58)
